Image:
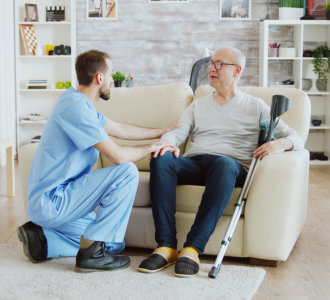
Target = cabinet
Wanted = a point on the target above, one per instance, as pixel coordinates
(49, 68)
(276, 67)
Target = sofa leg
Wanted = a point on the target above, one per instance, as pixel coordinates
(263, 262)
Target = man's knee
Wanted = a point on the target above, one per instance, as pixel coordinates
(161, 162)
(226, 164)
(131, 169)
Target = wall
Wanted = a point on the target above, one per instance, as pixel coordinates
(158, 43)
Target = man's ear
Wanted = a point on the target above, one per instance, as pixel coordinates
(99, 78)
(238, 70)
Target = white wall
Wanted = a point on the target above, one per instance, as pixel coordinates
(7, 73)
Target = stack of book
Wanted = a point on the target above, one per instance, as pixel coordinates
(38, 84)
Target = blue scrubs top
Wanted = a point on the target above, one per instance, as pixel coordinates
(65, 152)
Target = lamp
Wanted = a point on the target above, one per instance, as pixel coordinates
(310, 74)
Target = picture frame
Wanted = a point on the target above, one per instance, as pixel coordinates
(102, 9)
(29, 38)
(168, 1)
(235, 9)
(31, 13)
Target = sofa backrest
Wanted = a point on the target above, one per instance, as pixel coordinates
(297, 117)
(149, 106)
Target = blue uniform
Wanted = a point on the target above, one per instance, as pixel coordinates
(62, 193)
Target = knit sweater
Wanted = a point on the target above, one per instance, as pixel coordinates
(231, 129)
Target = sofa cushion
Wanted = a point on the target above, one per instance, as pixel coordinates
(188, 196)
(297, 117)
(151, 106)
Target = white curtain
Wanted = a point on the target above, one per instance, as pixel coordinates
(7, 74)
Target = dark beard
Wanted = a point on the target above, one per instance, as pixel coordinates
(105, 95)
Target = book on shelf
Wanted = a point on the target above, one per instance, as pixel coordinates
(33, 118)
(37, 84)
(36, 87)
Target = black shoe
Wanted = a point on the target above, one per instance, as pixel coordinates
(153, 263)
(96, 257)
(34, 242)
(186, 267)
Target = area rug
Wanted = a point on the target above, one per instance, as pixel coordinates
(56, 279)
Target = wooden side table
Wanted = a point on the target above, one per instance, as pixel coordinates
(8, 144)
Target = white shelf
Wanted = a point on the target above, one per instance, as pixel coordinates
(284, 58)
(316, 162)
(46, 23)
(317, 93)
(45, 56)
(26, 122)
(301, 35)
(42, 90)
(321, 127)
(53, 68)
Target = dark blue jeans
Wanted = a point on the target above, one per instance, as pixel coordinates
(219, 174)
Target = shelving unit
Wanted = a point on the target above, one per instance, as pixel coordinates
(54, 68)
(301, 35)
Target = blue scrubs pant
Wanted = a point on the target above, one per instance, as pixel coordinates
(219, 174)
(112, 191)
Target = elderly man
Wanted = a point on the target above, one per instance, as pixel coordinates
(223, 128)
(63, 193)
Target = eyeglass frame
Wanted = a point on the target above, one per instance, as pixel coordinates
(211, 63)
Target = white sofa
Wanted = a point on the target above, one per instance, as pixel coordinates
(277, 202)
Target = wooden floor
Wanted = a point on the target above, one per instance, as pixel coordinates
(306, 274)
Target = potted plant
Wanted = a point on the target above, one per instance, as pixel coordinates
(327, 10)
(321, 62)
(118, 78)
(291, 9)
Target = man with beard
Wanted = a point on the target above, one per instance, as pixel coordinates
(63, 193)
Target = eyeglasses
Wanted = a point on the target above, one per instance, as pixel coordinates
(218, 64)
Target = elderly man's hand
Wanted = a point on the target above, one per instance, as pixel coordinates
(276, 146)
(168, 148)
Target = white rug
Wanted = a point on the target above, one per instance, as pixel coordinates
(56, 279)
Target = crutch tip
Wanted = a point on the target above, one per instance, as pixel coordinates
(214, 271)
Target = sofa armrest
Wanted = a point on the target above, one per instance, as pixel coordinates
(276, 207)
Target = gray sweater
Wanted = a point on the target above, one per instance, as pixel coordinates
(228, 130)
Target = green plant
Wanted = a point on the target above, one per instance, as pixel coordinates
(327, 7)
(118, 77)
(321, 61)
(291, 3)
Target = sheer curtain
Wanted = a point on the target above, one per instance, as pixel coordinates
(7, 74)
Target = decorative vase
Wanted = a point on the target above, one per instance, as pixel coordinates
(118, 83)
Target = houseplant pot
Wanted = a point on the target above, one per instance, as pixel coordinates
(291, 9)
(118, 78)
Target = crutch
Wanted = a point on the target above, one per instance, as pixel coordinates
(280, 104)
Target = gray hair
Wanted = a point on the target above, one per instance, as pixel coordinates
(238, 58)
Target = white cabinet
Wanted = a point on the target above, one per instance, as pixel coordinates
(274, 68)
(50, 68)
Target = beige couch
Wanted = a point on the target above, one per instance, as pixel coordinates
(276, 207)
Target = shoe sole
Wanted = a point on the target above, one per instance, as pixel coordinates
(185, 275)
(143, 270)
(22, 236)
(86, 270)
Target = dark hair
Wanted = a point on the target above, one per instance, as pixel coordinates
(88, 64)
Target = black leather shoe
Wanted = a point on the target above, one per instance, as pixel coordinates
(34, 242)
(96, 257)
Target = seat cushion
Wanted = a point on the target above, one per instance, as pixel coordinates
(188, 196)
